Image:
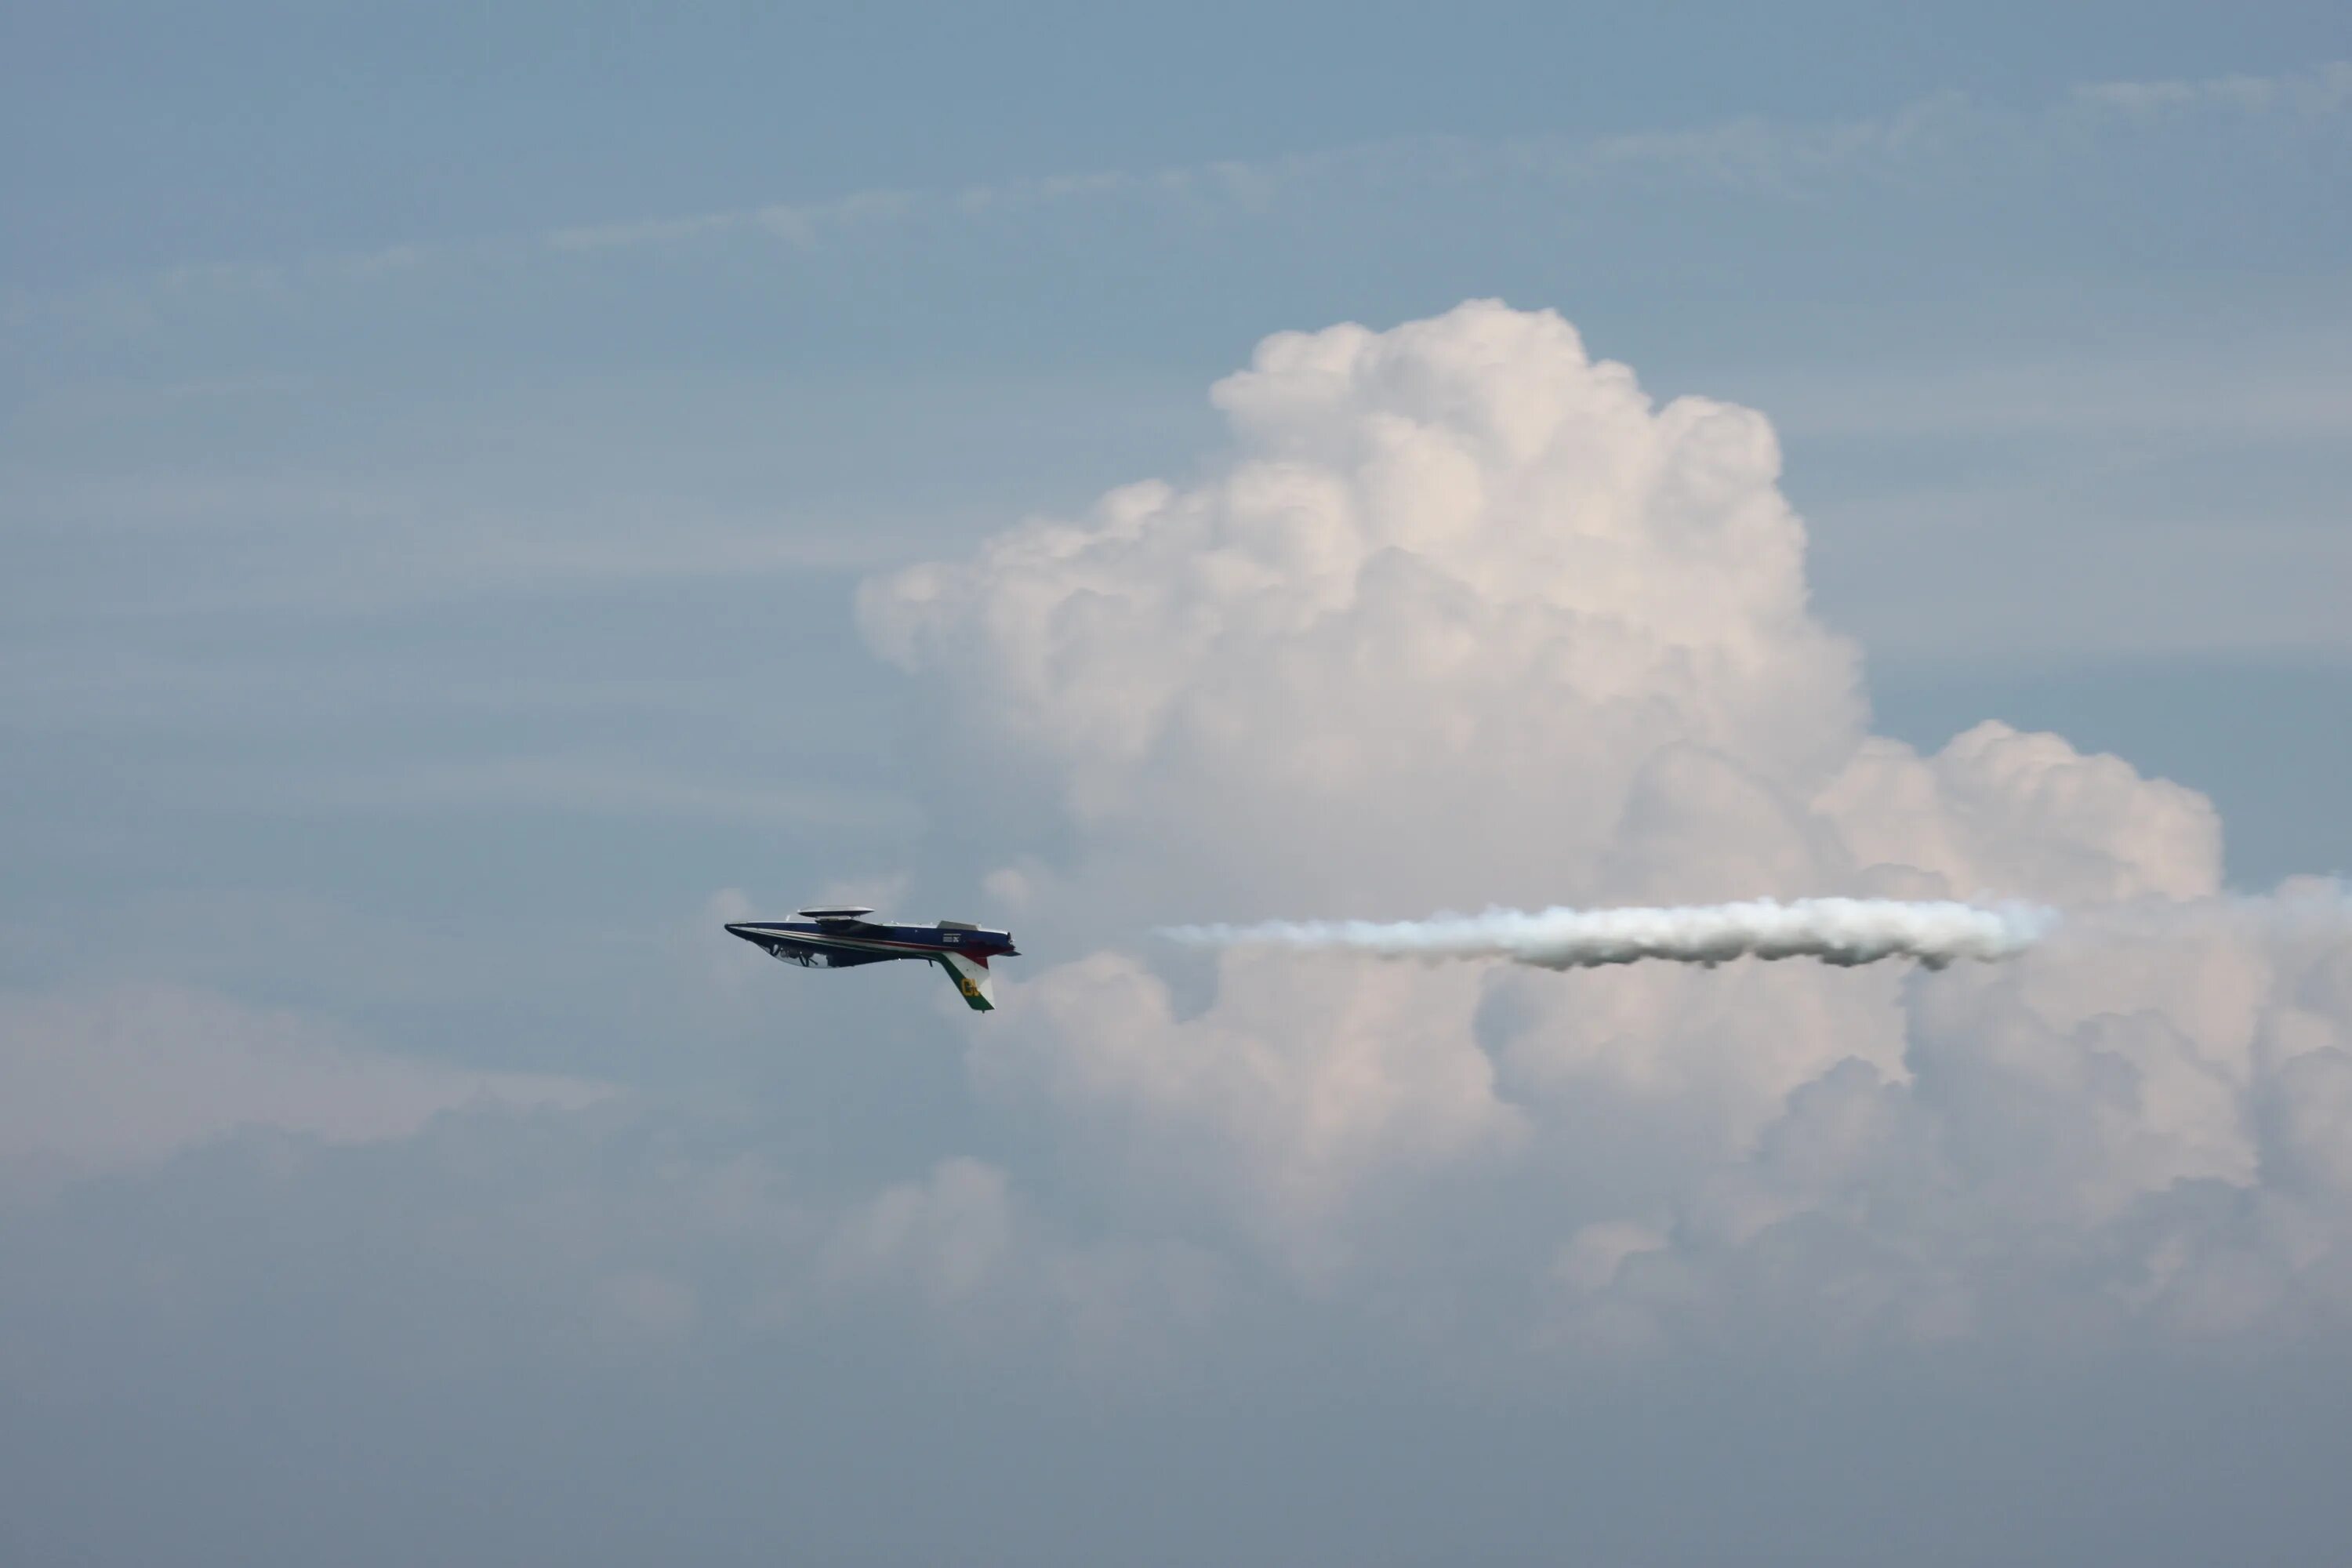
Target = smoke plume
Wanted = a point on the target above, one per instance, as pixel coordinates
(1835, 931)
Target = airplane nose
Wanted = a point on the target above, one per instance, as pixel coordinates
(746, 933)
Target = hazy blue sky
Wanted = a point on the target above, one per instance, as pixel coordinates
(440, 450)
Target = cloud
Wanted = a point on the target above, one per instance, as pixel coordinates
(1751, 154)
(1455, 553)
(1996, 809)
(2069, 1155)
(1294, 1097)
(948, 1235)
(2325, 89)
(124, 1077)
(1468, 619)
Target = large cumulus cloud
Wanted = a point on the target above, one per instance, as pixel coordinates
(1457, 592)
(1464, 617)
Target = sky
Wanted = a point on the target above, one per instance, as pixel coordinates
(487, 498)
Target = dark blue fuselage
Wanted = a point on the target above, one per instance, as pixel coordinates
(844, 941)
(842, 944)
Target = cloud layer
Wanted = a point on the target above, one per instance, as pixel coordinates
(1750, 155)
(1463, 615)
(127, 1076)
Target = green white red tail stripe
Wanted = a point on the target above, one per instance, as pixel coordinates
(971, 976)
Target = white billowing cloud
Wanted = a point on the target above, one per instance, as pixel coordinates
(1450, 561)
(2047, 1166)
(1467, 619)
(128, 1077)
(1296, 1089)
(1997, 808)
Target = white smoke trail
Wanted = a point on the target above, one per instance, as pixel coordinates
(1835, 931)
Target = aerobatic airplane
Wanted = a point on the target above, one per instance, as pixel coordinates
(844, 939)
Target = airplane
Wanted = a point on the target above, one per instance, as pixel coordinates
(843, 938)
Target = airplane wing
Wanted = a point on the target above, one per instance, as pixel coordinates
(970, 975)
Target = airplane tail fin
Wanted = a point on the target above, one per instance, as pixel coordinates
(971, 978)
